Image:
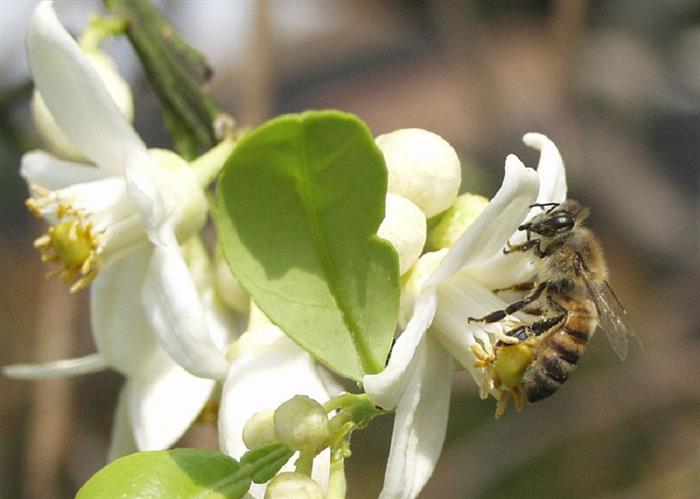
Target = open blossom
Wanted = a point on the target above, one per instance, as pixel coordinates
(117, 223)
(442, 290)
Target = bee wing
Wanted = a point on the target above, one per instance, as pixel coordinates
(611, 315)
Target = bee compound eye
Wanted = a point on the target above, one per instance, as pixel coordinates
(561, 222)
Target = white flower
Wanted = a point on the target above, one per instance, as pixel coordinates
(118, 223)
(268, 369)
(443, 290)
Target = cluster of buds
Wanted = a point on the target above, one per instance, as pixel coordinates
(301, 424)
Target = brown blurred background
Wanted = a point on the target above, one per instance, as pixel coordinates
(615, 83)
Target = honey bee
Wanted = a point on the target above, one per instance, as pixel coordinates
(571, 298)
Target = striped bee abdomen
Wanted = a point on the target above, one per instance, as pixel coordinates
(560, 350)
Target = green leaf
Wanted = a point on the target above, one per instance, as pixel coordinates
(263, 463)
(177, 73)
(298, 206)
(178, 473)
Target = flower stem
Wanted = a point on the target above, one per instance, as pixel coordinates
(99, 29)
(336, 478)
(208, 165)
(305, 462)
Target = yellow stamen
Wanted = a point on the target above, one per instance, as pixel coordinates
(72, 242)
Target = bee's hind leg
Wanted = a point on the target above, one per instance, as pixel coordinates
(502, 404)
(513, 307)
(518, 399)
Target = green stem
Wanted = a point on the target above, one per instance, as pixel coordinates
(336, 479)
(99, 29)
(305, 463)
(342, 400)
(208, 165)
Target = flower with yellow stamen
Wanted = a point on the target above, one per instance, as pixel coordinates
(118, 222)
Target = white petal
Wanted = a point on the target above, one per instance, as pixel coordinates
(145, 191)
(120, 327)
(550, 169)
(387, 387)
(485, 237)
(177, 315)
(271, 371)
(75, 94)
(122, 441)
(164, 403)
(420, 424)
(460, 298)
(40, 168)
(58, 368)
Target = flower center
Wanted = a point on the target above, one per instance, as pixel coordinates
(72, 242)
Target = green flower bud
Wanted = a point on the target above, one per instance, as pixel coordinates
(301, 423)
(293, 485)
(259, 430)
(449, 226)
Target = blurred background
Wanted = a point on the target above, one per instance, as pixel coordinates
(616, 85)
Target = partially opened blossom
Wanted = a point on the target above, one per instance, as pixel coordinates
(442, 290)
(116, 223)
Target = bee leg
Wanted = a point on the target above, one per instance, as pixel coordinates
(530, 244)
(513, 307)
(521, 333)
(533, 311)
(522, 286)
(502, 404)
(518, 399)
(540, 327)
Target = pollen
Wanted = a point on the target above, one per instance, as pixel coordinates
(71, 243)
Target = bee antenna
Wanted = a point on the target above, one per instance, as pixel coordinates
(545, 206)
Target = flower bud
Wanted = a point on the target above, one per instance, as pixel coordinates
(452, 224)
(293, 485)
(301, 423)
(118, 88)
(259, 430)
(412, 283)
(228, 288)
(404, 227)
(422, 167)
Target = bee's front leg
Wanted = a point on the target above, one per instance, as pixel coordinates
(512, 308)
(530, 244)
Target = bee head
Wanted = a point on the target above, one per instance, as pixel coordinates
(557, 219)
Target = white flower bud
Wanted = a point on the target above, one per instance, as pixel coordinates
(423, 168)
(293, 485)
(404, 226)
(455, 221)
(228, 288)
(118, 88)
(412, 283)
(301, 424)
(259, 430)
